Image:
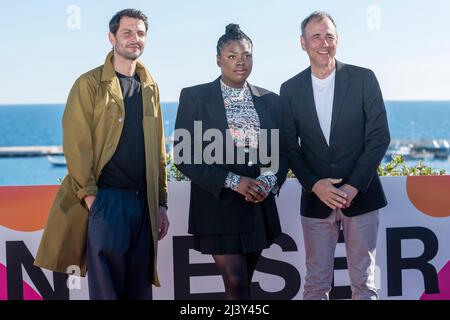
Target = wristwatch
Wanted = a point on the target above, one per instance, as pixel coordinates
(164, 205)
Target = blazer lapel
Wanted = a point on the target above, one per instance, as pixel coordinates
(305, 85)
(216, 108)
(340, 89)
(261, 111)
(260, 107)
(265, 122)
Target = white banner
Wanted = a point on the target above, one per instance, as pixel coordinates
(412, 259)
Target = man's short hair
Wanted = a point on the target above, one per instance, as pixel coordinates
(131, 13)
(316, 15)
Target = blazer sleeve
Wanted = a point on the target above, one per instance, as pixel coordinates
(77, 137)
(292, 149)
(376, 135)
(210, 178)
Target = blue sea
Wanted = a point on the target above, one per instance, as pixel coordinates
(40, 125)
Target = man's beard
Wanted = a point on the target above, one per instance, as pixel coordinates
(129, 55)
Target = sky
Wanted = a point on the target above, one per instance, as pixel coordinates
(47, 45)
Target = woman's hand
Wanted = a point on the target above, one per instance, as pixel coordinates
(252, 189)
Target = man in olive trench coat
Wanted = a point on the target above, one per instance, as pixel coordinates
(93, 123)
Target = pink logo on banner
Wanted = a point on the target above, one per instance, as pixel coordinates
(28, 292)
(444, 285)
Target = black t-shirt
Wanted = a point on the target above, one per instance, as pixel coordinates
(126, 169)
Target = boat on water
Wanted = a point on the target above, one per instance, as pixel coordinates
(57, 161)
(403, 151)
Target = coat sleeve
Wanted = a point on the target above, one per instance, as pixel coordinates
(376, 135)
(77, 137)
(211, 177)
(292, 149)
(162, 154)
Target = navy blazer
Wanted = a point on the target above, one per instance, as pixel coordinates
(359, 138)
(213, 208)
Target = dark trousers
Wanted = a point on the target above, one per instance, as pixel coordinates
(119, 246)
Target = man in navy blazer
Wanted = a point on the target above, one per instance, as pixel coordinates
(336, 134)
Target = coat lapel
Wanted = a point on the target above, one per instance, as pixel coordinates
(147, 93)
(112, 82)
(114, 90)
(148, 90)
(340, 89)
(307, 95)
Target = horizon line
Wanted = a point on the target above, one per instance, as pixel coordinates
(62, 103)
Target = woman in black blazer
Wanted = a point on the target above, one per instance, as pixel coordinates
(232, 214)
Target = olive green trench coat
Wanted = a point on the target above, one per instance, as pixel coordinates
(92, 125)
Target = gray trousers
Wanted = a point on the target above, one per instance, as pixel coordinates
(321, 236)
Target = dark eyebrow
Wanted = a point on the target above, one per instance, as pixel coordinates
(327, 34)
(231, 51)
(127, 29)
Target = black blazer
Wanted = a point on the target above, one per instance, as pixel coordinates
(359, 138)
(214, 209)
